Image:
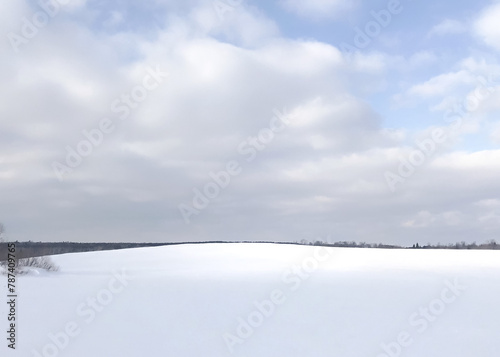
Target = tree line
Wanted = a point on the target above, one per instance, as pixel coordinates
(491, 245)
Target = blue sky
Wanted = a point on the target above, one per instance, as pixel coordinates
(231, 120)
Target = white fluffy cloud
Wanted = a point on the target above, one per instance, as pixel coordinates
(448, 27)
(486, 26)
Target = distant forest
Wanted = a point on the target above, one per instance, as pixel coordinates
(36, 249)
(491, 245)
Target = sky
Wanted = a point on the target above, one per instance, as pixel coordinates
(288, 120)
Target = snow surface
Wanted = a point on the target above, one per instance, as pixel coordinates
(202, 300)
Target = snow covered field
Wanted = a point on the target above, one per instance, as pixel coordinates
(261, 300)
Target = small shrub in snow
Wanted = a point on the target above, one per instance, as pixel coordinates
(33, 264)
